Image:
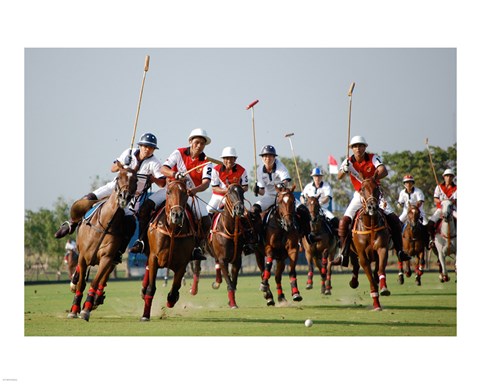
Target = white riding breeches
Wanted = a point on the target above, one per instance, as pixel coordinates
(356, 204)
(199, 207)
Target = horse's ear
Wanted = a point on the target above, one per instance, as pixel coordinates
(293, 187)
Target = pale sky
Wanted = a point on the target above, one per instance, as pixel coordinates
(80, 105)
(67, 113)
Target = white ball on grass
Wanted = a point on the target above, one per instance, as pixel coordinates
(308, 323)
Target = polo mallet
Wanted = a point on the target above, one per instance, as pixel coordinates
(350, 92)
(214, 161)
(145, 70)
(288, 136)
(250, 106)
(431, 161)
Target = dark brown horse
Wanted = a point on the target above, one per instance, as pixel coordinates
(100, 238)
(171, 241)
(322, 250)
(414, 243)
(227, 239)
(370, 241)
(281, 241)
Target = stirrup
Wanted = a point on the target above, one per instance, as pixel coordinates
(197, 254)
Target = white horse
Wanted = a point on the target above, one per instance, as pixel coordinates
(446, 239)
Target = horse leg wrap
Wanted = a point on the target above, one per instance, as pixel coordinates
(77, 300)
(374, 294)
(279, 289)
(383, 281)
(89, 302)
(293, 285)
(400, 266)
(310, 278)
(231, 298)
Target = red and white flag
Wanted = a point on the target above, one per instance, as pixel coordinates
(332, 165)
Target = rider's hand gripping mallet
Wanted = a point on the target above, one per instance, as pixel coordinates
(288, 135)
(145, 70)
(250, 106)
(350, 91)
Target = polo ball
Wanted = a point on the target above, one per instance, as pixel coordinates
(308, 323)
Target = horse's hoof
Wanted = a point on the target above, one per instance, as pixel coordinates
(170, 304)
(328, 292)
(270, 302)
(309, 286)
(215, 285)
(323, 289)
(377, 309)
(354, 283)
(281, 298)
(297, 297)
(418, 281)
(233, 306)
(384, 292)
(145, 318)
(193, 292)
(72, 315)
(73, 287)
(446, 278)
(85, 315)
(401, 280)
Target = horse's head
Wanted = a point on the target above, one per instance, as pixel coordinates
(125, 186)
(176, 201)
(370, 193)
(447, 209)
(285, 205)
(234, 200)
(413, 214)
(313, 206)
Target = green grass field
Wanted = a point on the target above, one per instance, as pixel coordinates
(428, 310)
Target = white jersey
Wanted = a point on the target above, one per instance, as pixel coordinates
(323, 190)
(269, 180)
(405, 198)
(149, 166)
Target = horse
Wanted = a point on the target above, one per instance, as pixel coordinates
(323, 250)
(71, 260)
(370, 239)
(100, 238)
(226, 240)
(446, 239)
(414, 243)
(282, 238)
(171, 240)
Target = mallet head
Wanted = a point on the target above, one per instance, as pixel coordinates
(251, 104)
(350, 91)
(289, 134)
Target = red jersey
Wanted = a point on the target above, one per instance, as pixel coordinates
(366, 168)
(180, 161)
(221, 177)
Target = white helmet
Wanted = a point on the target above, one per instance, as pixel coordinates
(316, 172)
(199, 132)
(229, 152)
(448, 171)
(358, 140)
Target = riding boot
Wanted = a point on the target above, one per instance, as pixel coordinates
(68, 227)
(431, 235)
(303, 217)
(144, 214)
(396, 231)
(256, 219)
(250, 236)
(128, 228)
(345, 240)
(205, 224)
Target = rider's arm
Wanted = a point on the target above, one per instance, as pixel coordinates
(202, 187)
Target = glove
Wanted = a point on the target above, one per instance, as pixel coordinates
(345, 166)
(128, 160)
(179, 175)
(256, 189)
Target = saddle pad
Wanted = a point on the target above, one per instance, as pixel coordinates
(92, 210)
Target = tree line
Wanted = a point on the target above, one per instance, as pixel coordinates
(41, 225)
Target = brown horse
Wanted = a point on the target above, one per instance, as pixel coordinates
(281, 241)
(323, 249)
(100, 239)
(171, 241)
(71, 260)
(370, 241)
(227, 239)
(414, 243)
